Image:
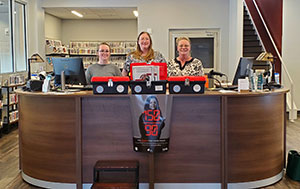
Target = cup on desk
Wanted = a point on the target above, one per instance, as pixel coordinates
(209, 84)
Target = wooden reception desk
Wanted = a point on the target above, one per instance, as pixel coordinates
(218, 140)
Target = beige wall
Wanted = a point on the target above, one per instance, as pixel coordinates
(290, 44)
(53, 27)
(98, 30)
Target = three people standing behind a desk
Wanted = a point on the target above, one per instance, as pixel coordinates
(103, 67)
(183, 65)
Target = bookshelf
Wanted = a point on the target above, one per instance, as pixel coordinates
(88, 51)
(54, 47)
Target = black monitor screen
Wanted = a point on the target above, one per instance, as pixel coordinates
(243, 69)
(73, 68)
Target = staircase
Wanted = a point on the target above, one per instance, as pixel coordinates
(251, 43)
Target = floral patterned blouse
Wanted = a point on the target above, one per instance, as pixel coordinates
(193, 67)
(158, 57)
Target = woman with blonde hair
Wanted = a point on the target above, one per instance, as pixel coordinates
(185, 64)
(143, 54)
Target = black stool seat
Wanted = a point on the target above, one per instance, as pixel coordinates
(112, 174)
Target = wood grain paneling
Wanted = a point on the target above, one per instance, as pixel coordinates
(47, 126)
(216, 138)
(255, 137)
(195, 153)
(107, 134)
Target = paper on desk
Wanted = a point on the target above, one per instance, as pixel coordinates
(243, 84)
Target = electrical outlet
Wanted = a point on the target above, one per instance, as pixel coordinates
(6, 32)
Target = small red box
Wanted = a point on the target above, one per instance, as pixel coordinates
(186, 84)
(110, 85)
(162, 69)
(148, 78)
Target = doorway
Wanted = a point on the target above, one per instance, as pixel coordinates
(204, 45)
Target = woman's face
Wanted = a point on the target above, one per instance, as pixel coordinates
(184, 47)
(144, 42)
(152, 104)
(104, 52)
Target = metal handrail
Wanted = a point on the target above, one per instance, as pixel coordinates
(279, 56)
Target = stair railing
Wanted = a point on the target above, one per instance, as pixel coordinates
(292, 116)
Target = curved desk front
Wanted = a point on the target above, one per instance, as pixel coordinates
(234, 139)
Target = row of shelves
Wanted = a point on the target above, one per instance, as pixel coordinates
(88, 51)
(118, 48)
(91, 48)
(9, 113)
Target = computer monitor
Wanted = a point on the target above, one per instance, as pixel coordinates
(243, 69)
(73, 68)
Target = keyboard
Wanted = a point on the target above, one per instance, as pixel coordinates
(230, 87)
(81, 87)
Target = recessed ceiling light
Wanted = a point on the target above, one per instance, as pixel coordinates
(136, 13)
(77, 13)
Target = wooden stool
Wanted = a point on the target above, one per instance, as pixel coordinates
(119, 169)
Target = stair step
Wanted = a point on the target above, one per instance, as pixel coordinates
(253, 49)
(255, 54)
(246, 17)
(250, 38)
(247, 22)
(251, 43)
(249, 32)
(248, 27)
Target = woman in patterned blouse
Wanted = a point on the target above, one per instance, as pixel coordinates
(143, 53)
(184, 64)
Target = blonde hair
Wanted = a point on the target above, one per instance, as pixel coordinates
(138, 52)
(182, 38)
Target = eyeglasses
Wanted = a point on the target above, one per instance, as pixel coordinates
(103, 51)
(184, 46)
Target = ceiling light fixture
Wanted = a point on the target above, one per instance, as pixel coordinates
(77, 13)
(136, 13)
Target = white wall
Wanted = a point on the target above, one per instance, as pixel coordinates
(98, 30)
(290, 43)
(236, 13)
(161, 16)
(53, 27)
(36, 28)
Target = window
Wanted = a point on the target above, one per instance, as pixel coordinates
(13, 51)
(204, 45)
(19, 37)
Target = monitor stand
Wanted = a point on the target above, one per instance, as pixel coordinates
(63, 80)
